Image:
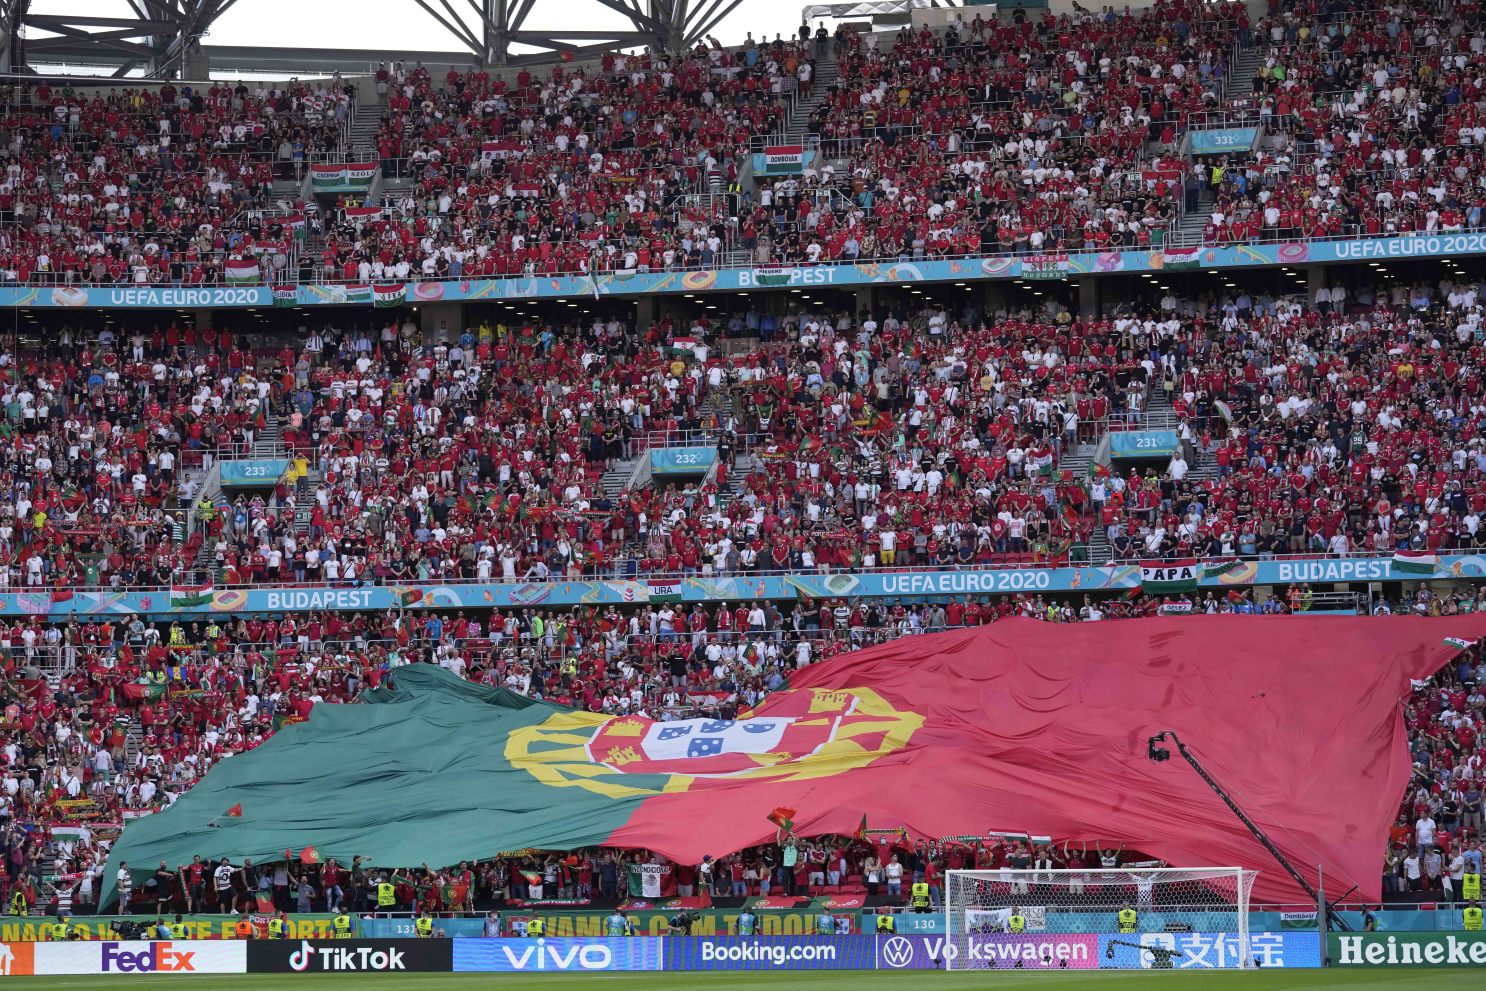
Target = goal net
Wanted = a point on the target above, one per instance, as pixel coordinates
(1158, 918)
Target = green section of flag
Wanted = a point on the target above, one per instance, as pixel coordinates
(412, 777)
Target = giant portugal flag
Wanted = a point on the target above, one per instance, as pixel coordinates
(1036, 724)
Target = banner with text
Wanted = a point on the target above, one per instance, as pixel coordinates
(1411, 949)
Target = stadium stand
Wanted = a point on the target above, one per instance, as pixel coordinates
(899, 434)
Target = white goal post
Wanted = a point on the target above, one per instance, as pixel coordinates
(1133, 918)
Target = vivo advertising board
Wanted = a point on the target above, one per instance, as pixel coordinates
(558, 955)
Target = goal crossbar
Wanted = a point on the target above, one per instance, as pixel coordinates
(1097, 917)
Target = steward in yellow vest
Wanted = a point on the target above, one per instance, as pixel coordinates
(920, 896)
(1016, 922)
(423, 926)
(342, 926)
(1127, 918)
(535, 928)
(887, 924)
(1472, 917)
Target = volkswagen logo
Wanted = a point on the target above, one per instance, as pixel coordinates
(897, 952)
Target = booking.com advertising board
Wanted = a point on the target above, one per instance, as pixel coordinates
(577, 955)
(890, 585)
(996, 268)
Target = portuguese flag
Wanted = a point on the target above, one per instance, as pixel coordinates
(898, 733)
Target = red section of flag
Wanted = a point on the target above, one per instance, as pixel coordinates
(1074, 705)
(236, 811)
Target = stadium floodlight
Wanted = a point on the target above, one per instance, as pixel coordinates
(1135, 917)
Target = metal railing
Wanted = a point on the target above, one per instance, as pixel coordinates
(623, 571)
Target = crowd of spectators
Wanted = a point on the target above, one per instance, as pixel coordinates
(138, 711)
(1013, 134)
(1372, 126)
(847, 441)
(1351, 425)
(155, 185)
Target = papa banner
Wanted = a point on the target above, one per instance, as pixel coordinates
(897, 733)
(1166, 577)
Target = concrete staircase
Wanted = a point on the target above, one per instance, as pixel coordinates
(361, 133)
(617, 476)
(743, 466)
(1188, 233)
(1241, 72)
(1160, 416)
(270, 440)
(304, 502)
(1158, 412)
(719, 405)
(1077, 459)
(794, 129)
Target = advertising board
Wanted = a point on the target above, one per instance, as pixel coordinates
(350, 956)
(549, 954)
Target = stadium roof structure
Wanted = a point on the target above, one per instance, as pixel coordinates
(165, 37)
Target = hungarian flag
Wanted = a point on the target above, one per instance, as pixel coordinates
(1168, 577)
(191, 596)
(1182, 258)
(1212, 569)
(391, 294)
(358, 293)
(651, 880)
(360, 214)
(780, 159)
(1415, 563)
(664, 589)
(783, 818)
(502, 149)
(240, 271)
(1458, 643)
(235, 812)
(285, 296)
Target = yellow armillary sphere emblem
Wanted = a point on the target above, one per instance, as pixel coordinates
(800, 734)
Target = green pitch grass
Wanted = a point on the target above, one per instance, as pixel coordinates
(1396, 979)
